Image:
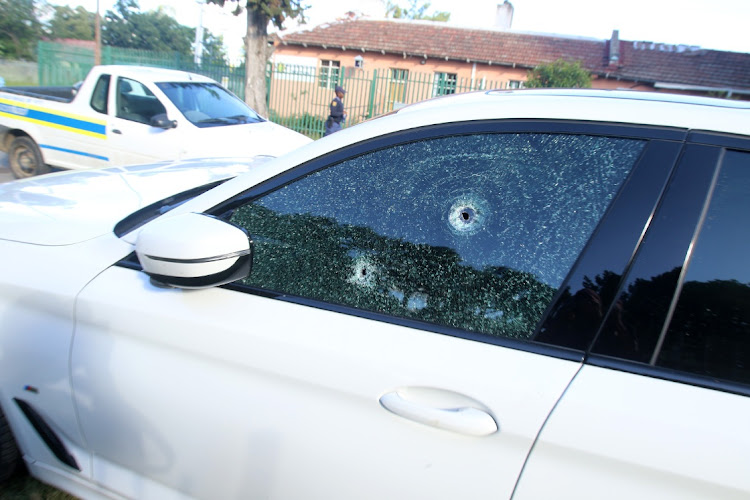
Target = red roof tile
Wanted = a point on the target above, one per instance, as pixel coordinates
(639, 61)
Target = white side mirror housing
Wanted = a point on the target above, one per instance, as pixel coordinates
(194, 251)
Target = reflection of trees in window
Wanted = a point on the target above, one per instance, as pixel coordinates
(352, 265)
(710, 331)
(577, 316)
(636, 319)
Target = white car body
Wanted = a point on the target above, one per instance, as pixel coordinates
(171, 392)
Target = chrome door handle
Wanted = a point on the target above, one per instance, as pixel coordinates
(463, 419)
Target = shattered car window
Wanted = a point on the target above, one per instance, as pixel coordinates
(475, 232)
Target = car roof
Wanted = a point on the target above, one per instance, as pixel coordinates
(614, 106)
(581, 106)
(154, 75)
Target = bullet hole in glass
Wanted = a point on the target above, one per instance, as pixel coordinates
(467, 214)
(364, 271)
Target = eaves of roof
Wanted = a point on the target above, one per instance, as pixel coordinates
(638, 61)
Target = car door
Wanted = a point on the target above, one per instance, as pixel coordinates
(131, 138)
(661, 408)
(386, 343)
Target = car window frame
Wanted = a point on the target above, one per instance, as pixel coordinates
(572, 127)
(719, 143)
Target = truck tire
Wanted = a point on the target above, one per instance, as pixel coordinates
(10, 457)
(25, 159)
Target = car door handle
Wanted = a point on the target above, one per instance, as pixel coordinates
(116, 131)
(462, 419)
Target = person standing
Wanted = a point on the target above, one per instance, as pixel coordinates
(337, 114)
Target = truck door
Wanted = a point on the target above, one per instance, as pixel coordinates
(131, 138)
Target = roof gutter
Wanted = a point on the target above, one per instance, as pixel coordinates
(405, 54)
(698, 88)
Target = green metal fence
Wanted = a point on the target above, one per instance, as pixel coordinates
(298, 96)
(61, 64)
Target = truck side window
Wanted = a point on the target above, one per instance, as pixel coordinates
(99, 96)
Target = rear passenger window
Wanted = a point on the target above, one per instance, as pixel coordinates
(475, 232)
(100, 94)
(710, 329)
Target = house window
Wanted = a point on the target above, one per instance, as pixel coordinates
(515, 84)
(397, 88)
(329, 73)
(445, 83)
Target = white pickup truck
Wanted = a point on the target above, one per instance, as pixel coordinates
(121, 115)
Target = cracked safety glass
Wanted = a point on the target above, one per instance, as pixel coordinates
(475, 232)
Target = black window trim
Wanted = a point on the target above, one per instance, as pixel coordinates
(724, 142)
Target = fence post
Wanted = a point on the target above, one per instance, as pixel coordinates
(373, 84)
(269, 80)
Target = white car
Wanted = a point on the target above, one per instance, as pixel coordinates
(531, 294)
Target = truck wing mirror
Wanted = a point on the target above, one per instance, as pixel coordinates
(162, 121)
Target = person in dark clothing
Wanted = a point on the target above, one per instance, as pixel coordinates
(337, 114)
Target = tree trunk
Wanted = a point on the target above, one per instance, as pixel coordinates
(256, 57)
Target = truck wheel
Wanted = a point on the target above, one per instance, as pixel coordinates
(25, 159)
(10, 458)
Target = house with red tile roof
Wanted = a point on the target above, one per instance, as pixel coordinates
(501, 58)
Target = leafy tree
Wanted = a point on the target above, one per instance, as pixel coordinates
(414, 12)
(75, 23)
(213, 47)
(20, 29)
(257, 44)
(559, 74)
(127, 27)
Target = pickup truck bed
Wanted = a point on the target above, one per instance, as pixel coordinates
(59, 94)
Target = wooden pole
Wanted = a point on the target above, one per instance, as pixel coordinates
(97, 37)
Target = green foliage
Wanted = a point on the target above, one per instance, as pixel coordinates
(126, 27)
(213, 47)
(559, 74)
(66, 22)
(415, 12)
(310, 125)
(275, 11)
(24, 487)
(19, 29)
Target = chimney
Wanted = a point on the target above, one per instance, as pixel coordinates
(614, 50)
(504, 15)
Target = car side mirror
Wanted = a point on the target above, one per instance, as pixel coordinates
(162, 121)
(194, 251)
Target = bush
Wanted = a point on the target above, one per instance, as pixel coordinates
(310, 125)
(560, 74)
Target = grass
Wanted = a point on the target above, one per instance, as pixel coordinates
(24, 487)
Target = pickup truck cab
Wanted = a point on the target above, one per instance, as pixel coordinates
(121, 115)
